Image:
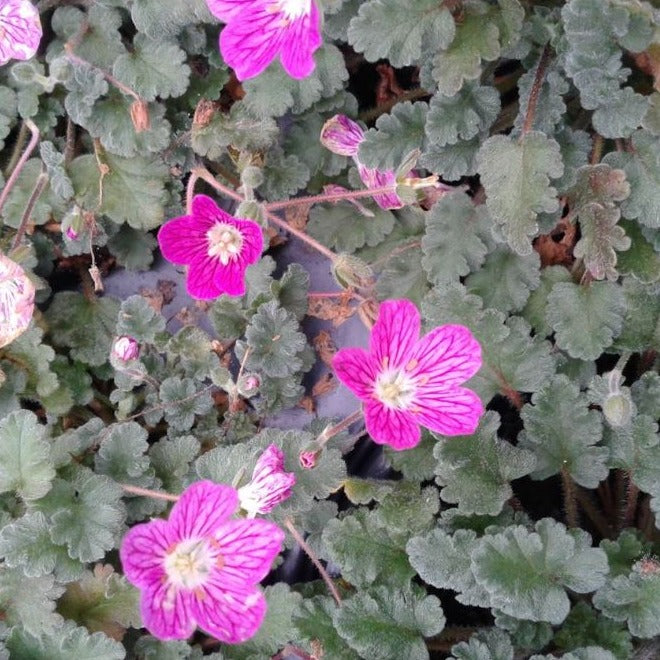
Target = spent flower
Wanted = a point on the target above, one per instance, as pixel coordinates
(16, 300)
(20, 30)
(269, 485)
(216, 247)
(405, 381)
(201, 566)
(257, 31)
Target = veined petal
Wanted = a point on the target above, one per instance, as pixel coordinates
(303, 37)
(253, 239)
(373, 178)
(388, 426)
(357, 369)
(227, 10)
(228, 612)
(446, 356)
(181, 239)
(20, 30)
(207, 212)
(342, 135)
(248, 548)
(395, 333)
(204, 277)
(455, 411)
(166, 612)
(201, 509)
(143, 550)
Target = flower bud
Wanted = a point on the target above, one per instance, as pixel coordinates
(140, 116)
(71, 234)
(125, 348)
(617, 405)
(16, 300)
(248, 385)
(251, 210)
(351, 271)
(342, 135)
(308, 459)
(269, 486)
(203, 113)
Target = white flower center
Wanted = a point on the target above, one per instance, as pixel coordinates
(294, 9)
(189, 564)
(395, 389)
(225, 242)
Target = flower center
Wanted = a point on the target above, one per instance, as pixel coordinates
(395, 389)
(225, 242)
(293, 9)
(188, 565)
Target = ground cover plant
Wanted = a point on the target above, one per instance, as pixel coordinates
(481, 178)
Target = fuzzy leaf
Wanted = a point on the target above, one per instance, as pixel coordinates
(25, 464)
(58, 178)
(138, 319)
(384, 624)
(182, 401)
(171, 460)
(562, 431)
(585, 318)
(487, 645)
(624, 552)
(550, 107)
(526, 573)
(641, 260)
(132, 248)
(516, 176)
(641, 325)
(476, 470)
(166, 20)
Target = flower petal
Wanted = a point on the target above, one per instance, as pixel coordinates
(20, 30)
(166, 612)
(253, 239)
(202, 508)
(251, 41)
(205, 276)
(248, 548)
(342, 136)
(395, 333)
(181, 239)
(455, 411)
(357, 369)
(302, 38)
(143, 550)
(448, 355)
(387, 426)
(227, 10)
(373, 178)
(228, 612)
(207, 212)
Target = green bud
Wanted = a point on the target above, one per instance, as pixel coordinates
(351, 271)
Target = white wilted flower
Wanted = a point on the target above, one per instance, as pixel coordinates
(16, 300)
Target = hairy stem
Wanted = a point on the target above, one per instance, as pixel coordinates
(39, 186)
(536, 90)
(593, 513)
(315, 560)
(145, 492)
(331, 431)
(109, 77)
(329, 197)
(34, 139)
(19, 143)
(632, 493)
(570, 500)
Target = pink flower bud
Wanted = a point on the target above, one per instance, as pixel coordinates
(308, 459)
(71, 234)
(248, 385)
(269, 486)
(16, 300)
(125, 348)
(342, 135)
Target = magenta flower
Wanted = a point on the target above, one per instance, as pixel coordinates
(16, 300)
(257, 31)
(126, 348)
(200, 567)
(343, 136)
(20, 30)
(216, 247)
(404, 381)
(270, 484)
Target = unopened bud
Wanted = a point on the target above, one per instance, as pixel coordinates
(617, 406)
(248, 385)
(140, 116)
(203, 113)
(342, 135)
(251, 210)
(125, 348)
(308, 459)
(647, 566)
(351, 271)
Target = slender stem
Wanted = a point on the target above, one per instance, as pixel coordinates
(593, 513)
(205, 175)
(329, 197)
(162, 406)
(631, 503)
(332, 431)
(34, 139)
(145, 492)
(536, 90)
(18, 148)
(597, 151)
(570, 501)
(410, 95)
(622, 361)
(69, 150)
(315, 560)
(39, 186)
(109, 77)
(190, 190)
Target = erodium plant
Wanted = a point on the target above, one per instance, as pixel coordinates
(481, 178)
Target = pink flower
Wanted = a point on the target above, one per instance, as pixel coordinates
(308, 459)
(343, 136)
(125, 348)
(216, 246)
(20, 30)
(270, 484)
(200, 567)
(257, 31)
(405, 381)
(16, 300)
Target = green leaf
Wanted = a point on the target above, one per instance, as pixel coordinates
(8, 112)
(415, 464)
(365, 551)
(171, 460)
(526, 573)
(516, 176)
(562, 432)
(291, 290)
(452, 161)
(534, 310)
(399, 31)
(154, 68)
(530, 635)
(476, 470)
(462, 116)
(283, 175)
(341, 228)
(550, 108)
(385, 624)
(585, 318)
(641, 325)
(396, 134)
(408, 509)
(646, 394)
(488, 645)
(600, 184)
(452, 244)
(25, 464)
(228, 318)
(182, 401)
(191, 348)
(641, 260)
(443, 561)
(621, 114)
(635, 599)
(624, 552)
(54, 162)
(505, 280)
(85, 84)
(133, 249)
(133, 189)
(138, 319)
(85, 326)
(159, 20)
(642, 167)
